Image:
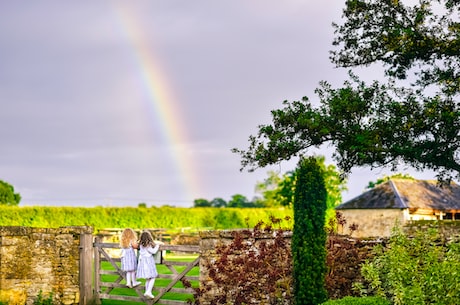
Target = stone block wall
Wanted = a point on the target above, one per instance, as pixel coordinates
(40, 260)
(344, 258)
(371, 222)
(449, 228)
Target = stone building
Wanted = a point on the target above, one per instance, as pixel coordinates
(398, 202)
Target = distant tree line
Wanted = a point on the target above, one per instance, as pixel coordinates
(237, 201)
(277, 190)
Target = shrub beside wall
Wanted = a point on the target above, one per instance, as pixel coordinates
(309, 236)
(245, 267)
(345, 256)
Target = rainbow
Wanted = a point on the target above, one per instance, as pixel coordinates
(160, 99)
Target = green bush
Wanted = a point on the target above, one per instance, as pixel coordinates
(309, 235)
(358, 301)
(413, 270)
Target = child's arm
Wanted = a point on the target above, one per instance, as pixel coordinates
(154, 249)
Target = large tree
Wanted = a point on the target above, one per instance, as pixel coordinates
(412, 117)
(7, 194)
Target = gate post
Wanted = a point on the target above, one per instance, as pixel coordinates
(97, 266)
(86, 268)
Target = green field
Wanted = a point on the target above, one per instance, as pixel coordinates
(158, 282)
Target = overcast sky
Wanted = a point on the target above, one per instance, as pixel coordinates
(117, 103)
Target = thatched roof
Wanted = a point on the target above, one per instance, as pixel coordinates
(407, 193)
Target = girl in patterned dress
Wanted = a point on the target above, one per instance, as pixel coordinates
(128, 243)
(146, 268)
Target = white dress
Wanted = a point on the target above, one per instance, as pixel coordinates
(128, 259)
(146, 268)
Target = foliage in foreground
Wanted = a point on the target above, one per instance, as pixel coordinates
(254, 265)
(309, 236)
(358, 301)
(415, 270)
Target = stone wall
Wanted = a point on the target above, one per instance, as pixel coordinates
(41, 260)
(449, 228)
(371, 222)
(344, 258)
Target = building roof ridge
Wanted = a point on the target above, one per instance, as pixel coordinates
(402, 203)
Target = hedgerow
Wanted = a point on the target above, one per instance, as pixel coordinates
(137, 218)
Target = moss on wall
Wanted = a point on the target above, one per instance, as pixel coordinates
(34, 260)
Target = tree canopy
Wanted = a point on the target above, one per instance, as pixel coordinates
(413, 117)
(279, 190)
(7, 194)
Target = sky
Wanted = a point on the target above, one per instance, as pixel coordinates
(114, 103)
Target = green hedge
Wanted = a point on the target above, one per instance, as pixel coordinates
(358, 301)
(139, 218)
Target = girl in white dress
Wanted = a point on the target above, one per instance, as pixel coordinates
(128, 243)
(146, 267)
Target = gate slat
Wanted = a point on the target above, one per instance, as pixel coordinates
(123, 297)
(182, 290)
(181, 275)
(172, 302)
(173, 263)
(113, 285)
(173, 276)
(109, 272)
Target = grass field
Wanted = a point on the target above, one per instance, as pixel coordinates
(159, 282)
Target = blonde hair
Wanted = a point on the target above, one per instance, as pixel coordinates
(146, 239)
(128, 236)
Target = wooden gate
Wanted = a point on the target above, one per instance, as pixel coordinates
(104, 289)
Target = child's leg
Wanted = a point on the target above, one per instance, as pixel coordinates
(128, 278)
(134, 279)
(150, 285)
